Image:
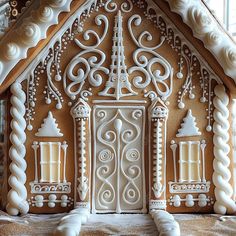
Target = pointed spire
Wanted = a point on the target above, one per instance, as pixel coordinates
(189, 126)
(118, 77)
(49, 127)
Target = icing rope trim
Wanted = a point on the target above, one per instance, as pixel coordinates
(18, 194)
(221, 176)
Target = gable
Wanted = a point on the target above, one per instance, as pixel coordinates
(116, 73)
(158, 56)
(214, 38)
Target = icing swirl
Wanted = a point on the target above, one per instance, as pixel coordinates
(12, 51)
(30, 33)
(45, 14)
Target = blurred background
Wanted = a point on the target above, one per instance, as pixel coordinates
(225, 12)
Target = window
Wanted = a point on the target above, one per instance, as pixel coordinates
(50, 161)
(189, 161)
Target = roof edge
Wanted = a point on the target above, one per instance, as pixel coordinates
(15, 45)
(206, 28)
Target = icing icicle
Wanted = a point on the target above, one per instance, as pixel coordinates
(221, 176)
(17, 195)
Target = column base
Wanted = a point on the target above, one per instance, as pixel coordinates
(157, 205)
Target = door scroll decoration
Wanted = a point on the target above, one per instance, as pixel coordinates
(119, 159)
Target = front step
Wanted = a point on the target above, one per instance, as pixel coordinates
(162, 223)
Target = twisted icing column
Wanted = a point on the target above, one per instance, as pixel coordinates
(17, 195)
(70, 224)
(165, 222)
(221, 176)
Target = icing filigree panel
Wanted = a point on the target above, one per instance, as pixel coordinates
(118, 175)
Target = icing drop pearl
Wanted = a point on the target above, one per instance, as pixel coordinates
(29, 127)
(202, 99)
(12, 51)
(208, 128)
(191, 96)
(59, 106)
(48, 101)
(32, 104)
(57, 77)
(180, 75)
(181, 105)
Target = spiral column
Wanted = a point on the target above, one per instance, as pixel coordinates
(18, 194)
(221, 176)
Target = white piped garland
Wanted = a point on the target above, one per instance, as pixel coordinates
(17, 195)
(221, 176)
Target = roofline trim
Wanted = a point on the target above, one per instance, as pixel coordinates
(206, 28)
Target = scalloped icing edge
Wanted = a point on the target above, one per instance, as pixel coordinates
(32, 29)
(206, 28)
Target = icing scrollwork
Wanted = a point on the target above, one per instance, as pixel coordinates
(147, 60)
(17, 195)
(86, 65)
(111, 6)
(221, 176)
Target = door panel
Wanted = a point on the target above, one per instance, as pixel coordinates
(118, 160)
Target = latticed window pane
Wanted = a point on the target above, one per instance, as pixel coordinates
(50, 154)
(189, 161)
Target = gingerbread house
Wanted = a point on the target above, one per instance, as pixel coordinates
(117, 107)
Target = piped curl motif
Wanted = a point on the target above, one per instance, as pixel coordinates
(146, 64)
(89, 66)
(111, 6)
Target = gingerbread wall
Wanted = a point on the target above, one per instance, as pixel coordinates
(165, 83)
